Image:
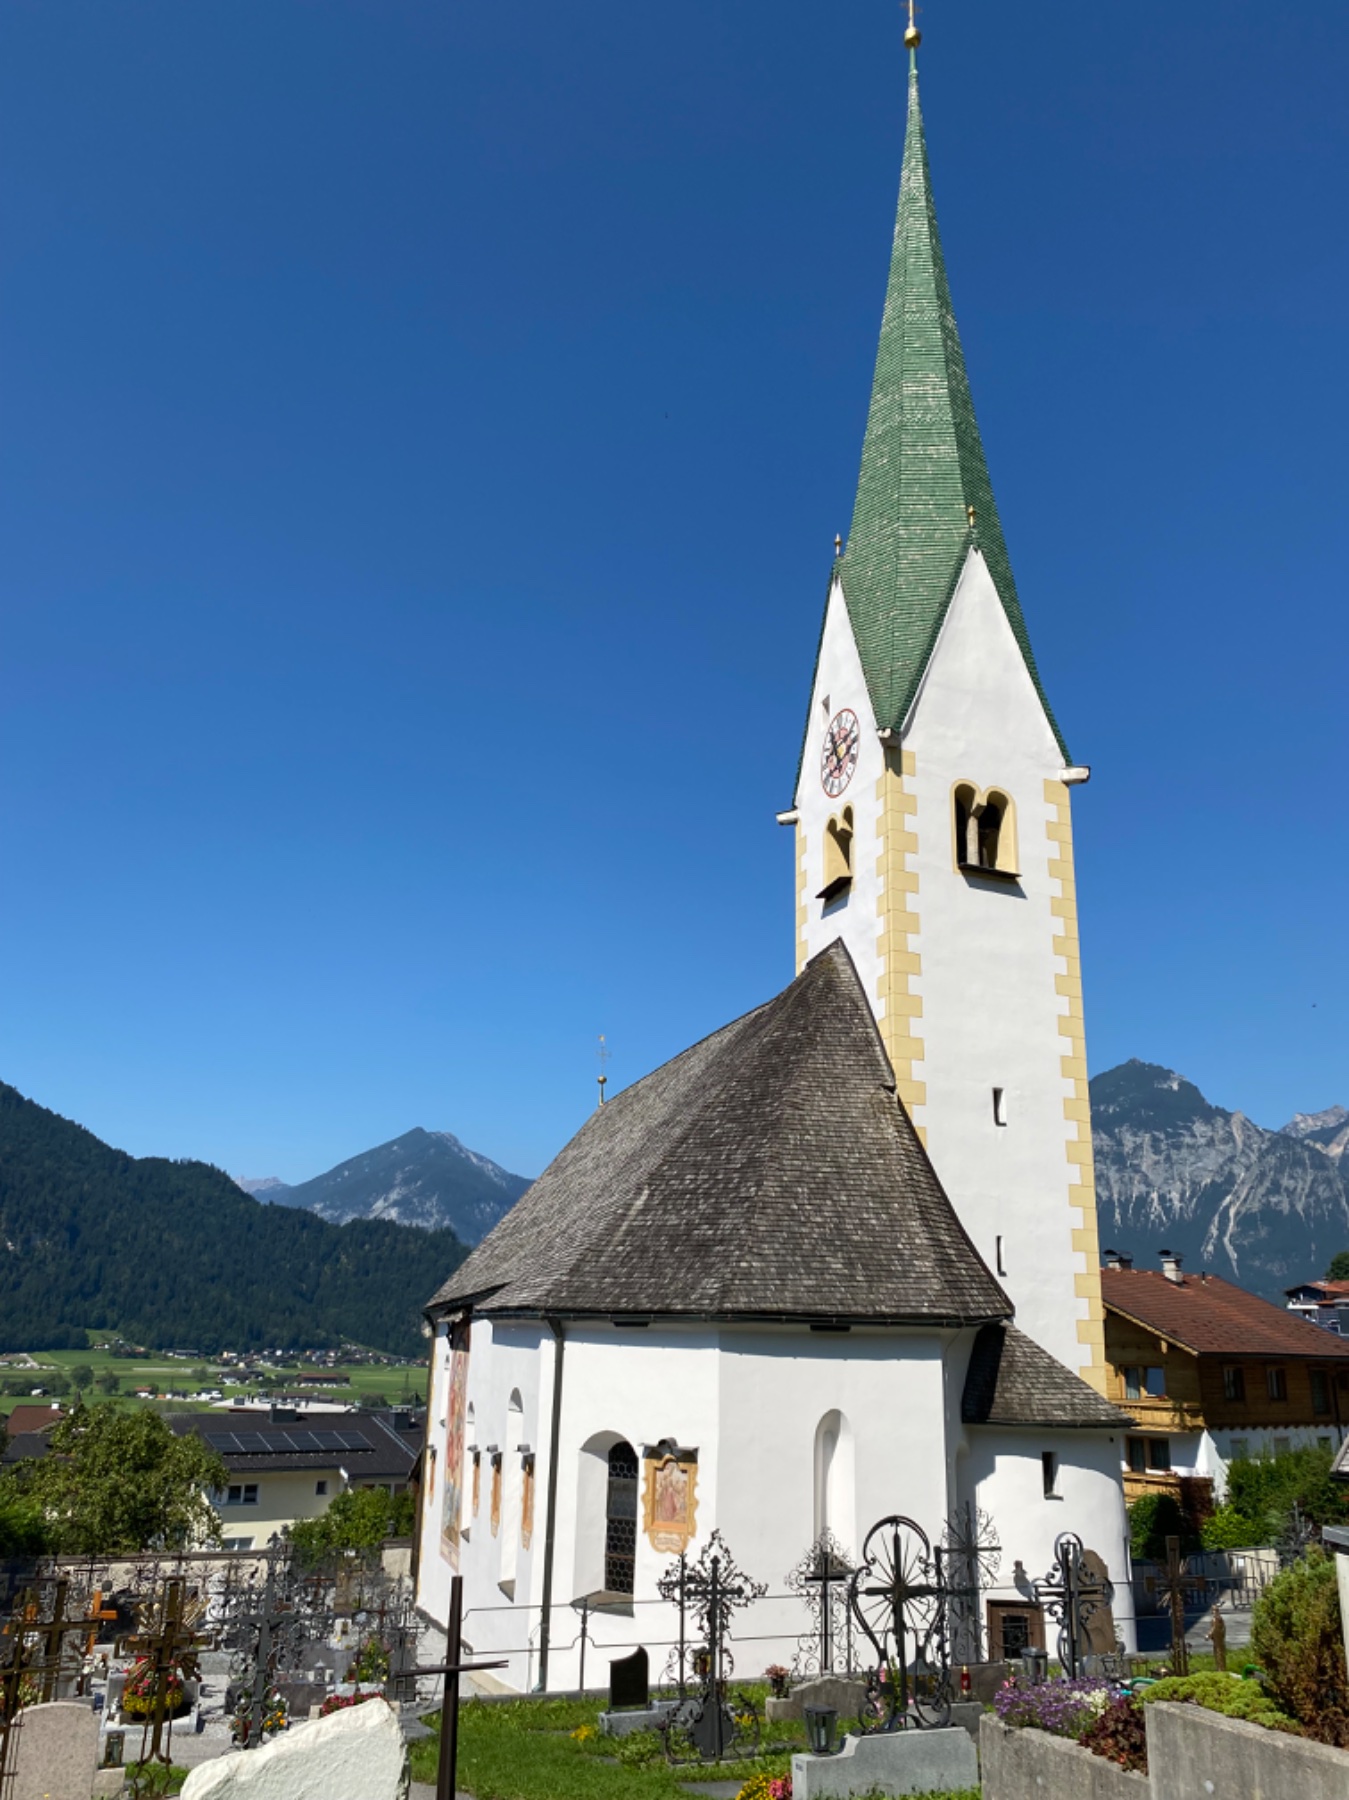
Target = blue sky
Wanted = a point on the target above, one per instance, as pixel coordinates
(423, 430)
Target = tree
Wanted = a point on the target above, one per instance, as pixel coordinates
(1264, 1490)
(22, 1528)
(82, 1377)
(1295, 1632)
(1339, 1266)
(358, 1519)
(116, 1482)
(1153, 1518)
(108, 1383)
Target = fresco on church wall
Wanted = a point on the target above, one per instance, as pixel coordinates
(496, 1494)
(670, 1503)
(527, 1507)
(455, 1461)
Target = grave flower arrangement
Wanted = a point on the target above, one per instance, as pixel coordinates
(138, 1696)
(340, 1702)
(777, 1677)
(1063, 1708)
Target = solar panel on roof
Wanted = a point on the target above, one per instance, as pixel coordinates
(222, 1440)
(253, 1442)
(306, 1441)
(330, 1440)
(350, 1441)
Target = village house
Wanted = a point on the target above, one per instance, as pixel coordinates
(283, 1469)
(1210, 1373)
(1323, 1303)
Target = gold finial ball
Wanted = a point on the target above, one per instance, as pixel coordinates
(913, 37)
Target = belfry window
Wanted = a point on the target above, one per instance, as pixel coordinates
(983, 826)
(620, 1526)
(838, 836)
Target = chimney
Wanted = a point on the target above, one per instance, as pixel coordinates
(1171, 1267)
(1115, 1259)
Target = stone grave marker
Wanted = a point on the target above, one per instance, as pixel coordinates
(1100, 1625)
(357, 1754)
(629, 1681)
(56, 1751)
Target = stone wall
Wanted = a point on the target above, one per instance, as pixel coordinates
(1035, 1765)
(1192, 1755)
(1198, 1755)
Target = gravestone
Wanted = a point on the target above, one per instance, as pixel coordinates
(846, 1694)
(57, 1748)
(629, 1681)
(1100, 1633)
(357, 1754)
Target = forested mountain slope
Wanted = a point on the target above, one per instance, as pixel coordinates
(175, 1255)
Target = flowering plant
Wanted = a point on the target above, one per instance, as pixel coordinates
(138, 1696)
(584, 1733)
(1065, 1708)
(766, 1787)
(340, 1702)
(776, 1677)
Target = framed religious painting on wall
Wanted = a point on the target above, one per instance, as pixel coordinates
(456, 1408)
(670, 1502)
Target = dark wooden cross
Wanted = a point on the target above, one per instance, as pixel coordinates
(1174, 1584)
(173, 1641)
(452, 1668)
(52, 1633)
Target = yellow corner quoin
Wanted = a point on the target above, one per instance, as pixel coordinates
(1076, 1107)
(900, 1007)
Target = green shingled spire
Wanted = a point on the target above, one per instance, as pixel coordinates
(922, 466)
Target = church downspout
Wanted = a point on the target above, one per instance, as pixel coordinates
(550, 1523)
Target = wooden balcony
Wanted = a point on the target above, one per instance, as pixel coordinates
(1164, 1414)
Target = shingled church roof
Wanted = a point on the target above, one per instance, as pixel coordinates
(769, 1172)
(1012, 1381)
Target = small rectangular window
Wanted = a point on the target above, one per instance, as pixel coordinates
(1276, 1381)
(250, 1493)
(999, 1106)
(1001, 1270)
(1239, 1448)
(1320, 1391)
(1159, 1454)
(1049, 1466)
(1155, 1382)
(1137, 1451)
(234, 1496)
(1133, 1384)
(1234, 1383)
(320, 1487)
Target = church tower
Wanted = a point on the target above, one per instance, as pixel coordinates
(933, 816)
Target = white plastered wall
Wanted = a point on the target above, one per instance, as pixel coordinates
(750, 1400)
(840, 684)
(1005, 1476)
(991, 1013)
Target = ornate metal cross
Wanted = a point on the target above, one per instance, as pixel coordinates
(173, 1641)
(899, 1598)
(824, 1569)
(1072, 1594)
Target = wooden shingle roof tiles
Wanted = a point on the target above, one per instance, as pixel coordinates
(769, 1172)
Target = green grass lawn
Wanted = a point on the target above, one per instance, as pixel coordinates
(529, 1750)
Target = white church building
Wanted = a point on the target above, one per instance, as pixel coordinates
(839, 1259)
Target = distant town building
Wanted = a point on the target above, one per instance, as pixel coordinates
(1324, 1303)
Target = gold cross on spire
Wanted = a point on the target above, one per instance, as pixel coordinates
(913, 37)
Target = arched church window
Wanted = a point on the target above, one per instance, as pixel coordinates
(838, 836)
(620, 1520)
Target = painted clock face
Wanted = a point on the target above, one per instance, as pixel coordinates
(838, 759)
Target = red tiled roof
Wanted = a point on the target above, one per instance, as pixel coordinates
(31, 1417)
(1328, 1288)
(1209, 1315)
